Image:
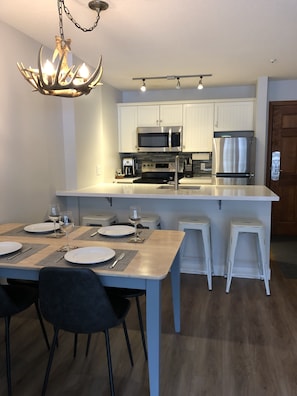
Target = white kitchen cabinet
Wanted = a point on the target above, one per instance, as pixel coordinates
(234, 116)
(198, 127)
(127, 124)
(160, 115)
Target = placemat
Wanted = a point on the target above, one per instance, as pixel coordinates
(86, 236)
(15, 257)
(57, 258)
(19, 231)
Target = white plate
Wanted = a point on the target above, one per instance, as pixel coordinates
(116, 230)
(9, 247)
(89, 255)
(41, 227)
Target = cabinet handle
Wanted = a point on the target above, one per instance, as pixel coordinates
(216, 118)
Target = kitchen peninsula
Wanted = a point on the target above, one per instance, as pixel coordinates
(219, 203)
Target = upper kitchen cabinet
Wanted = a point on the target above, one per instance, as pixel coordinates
(198, 126)
(234, 116)
(127, 124)
(160, 115)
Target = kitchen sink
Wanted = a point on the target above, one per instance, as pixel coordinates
(171, 187)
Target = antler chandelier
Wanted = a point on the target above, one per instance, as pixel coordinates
(60, 79)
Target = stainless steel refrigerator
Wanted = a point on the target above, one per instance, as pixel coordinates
(233, 158)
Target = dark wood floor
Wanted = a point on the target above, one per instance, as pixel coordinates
(244, 343)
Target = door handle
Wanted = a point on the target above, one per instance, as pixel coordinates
(275, 165)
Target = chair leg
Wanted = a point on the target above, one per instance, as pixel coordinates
(42, 325)
(7, 344)
(75, 345)
(50, 361)
(107, 343)
(141, 327)
(128, 343)
(88, 344)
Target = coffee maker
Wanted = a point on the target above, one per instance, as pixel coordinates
(129, 167)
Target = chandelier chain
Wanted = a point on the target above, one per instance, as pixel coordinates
(70, 17)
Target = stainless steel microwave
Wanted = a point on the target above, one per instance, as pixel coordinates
(159, 139)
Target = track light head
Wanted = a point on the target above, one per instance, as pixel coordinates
(200, 84)
(143, 87)
(177, 83)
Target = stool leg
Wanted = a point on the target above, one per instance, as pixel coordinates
(230, 258)
(261, 241)
(207, 253)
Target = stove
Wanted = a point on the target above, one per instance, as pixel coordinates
(157, 173)
(152, 179)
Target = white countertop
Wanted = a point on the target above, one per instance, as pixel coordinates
(205, 192)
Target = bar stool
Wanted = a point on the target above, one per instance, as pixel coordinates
(201, 224)
(253, 226)
(99, 219)
(151, 221)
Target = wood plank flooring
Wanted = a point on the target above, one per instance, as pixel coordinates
(241, 344)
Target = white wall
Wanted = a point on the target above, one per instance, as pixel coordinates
(31, 149)
(282, 90)
(96, 136)
(49, 143)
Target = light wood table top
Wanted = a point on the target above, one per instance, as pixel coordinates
(153, 259)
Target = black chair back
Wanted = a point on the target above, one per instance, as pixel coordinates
(75, 300)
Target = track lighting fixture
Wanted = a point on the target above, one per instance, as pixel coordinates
(143, 87)
(178, 85)
(200, 85)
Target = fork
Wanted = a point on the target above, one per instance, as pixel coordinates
(121, 256)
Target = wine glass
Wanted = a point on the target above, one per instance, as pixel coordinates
(135, 218)
(54, 215)
(66, 224)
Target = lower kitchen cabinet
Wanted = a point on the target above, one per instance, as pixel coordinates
(198, 126)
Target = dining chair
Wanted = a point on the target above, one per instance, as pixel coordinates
(33, 284)
(67, 297)
(132, 293)
(15, 299)
(122, 293)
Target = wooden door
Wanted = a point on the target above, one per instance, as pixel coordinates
(283, 139)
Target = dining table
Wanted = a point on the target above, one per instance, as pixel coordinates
(144, 266)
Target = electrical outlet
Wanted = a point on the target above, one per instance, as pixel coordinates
(98, 170)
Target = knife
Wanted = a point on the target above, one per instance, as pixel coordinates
(121, 256)
(20, 252)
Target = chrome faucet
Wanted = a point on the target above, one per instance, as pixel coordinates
(176, 172)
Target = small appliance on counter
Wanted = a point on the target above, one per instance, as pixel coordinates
(188, 169)
(128, 167)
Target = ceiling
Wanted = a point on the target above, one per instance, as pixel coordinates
(236, 41)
